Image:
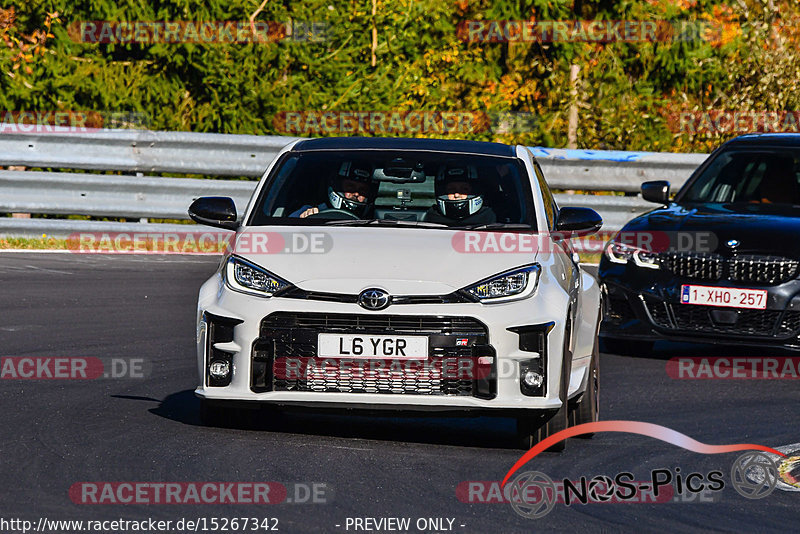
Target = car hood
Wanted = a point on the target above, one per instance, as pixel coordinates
(402, 261)
(763, 228)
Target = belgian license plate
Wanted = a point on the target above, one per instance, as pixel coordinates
(729, 297)
(372, 346)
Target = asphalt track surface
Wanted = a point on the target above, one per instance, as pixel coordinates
(59, 432)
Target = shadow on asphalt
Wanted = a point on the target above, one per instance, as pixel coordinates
(664, 350)
(489, 432)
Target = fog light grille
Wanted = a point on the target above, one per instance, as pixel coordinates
(218, 330)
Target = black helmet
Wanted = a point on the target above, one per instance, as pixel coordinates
(353, 172)
(458, 209)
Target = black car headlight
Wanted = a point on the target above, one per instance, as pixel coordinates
(510, 285)
(618, 252)
(241, 275)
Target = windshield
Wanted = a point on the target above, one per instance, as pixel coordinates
(396, 188)
(751, 176)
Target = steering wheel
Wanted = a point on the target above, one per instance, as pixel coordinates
(333, 213)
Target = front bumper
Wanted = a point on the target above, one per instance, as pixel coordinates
(259, 335)
(643, 304)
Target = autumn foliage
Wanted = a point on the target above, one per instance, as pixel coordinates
(708, 56)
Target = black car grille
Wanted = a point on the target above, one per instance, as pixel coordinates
(659, 312)
(764, 269)
(285, 356)
(415, 324)
(735, 321)
(693, 265)
(436, 376)
(769, 270)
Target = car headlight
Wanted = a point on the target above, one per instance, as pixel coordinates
(510, 285)
(251, 279)
(617, 252)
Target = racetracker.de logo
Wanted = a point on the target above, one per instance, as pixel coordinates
(474, 242)
(71, 368)
(596, 490)
(69, 122)
(157, 493)
(201, 32)
(401, 122)
(200, 242)
(371, 369)
(593, 31)
(726, 121)
(732, 368)
(177, 493)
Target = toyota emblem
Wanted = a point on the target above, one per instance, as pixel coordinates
(374, 299)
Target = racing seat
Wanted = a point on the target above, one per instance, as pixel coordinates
(779, 183)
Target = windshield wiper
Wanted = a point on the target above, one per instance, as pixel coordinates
(425, 224)
(385, 222)
(494, 226)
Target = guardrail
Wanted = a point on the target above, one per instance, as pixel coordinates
(143, 195)
(142, 151)
(612, 170)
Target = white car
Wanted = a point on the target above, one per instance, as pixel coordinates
(401, 274)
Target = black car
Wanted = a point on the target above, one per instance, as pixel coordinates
(719, 262)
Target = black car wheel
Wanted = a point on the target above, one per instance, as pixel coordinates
(534, 429)
(587, 410)
(216, 414)
(212, 414)
(627, 347)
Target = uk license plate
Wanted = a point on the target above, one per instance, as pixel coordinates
(728, 297)
(372, 346)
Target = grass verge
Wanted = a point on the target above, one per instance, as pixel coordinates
(38, 243)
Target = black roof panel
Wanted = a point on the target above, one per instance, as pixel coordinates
(401, 143)
(765, 139)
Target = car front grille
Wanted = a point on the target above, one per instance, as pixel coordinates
(387, 324)
(659, 313)
(763, 269)
(285, 357)
(693, 265)
(769, 270)
(436, 376)
(717, 320)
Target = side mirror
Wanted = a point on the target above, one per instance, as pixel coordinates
(575, 222)
(656, 191)
(214, 211)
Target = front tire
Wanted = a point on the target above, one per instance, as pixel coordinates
(533, 429)
(214, 415)
(627, 347)
(218, 414)
(588, 408)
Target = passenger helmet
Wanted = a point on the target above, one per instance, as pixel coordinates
(458, 209)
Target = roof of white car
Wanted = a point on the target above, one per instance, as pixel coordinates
(398, 143)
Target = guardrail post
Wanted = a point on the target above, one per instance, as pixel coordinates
(18, 215)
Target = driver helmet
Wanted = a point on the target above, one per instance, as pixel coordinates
(461, 179)
(352, 188)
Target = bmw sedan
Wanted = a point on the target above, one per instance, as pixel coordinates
(719, 262)
(401, 274)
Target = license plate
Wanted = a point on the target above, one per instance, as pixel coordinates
(370, 346)
(728, 297)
